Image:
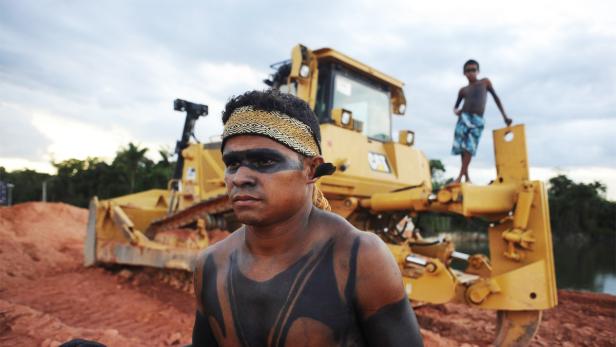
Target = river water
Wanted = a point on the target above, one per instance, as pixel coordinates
(580, 265)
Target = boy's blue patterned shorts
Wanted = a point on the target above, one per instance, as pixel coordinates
(467, 134)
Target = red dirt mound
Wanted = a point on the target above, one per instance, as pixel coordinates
(47, 296)
(39, 239)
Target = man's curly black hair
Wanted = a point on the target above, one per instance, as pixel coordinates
(274, 100)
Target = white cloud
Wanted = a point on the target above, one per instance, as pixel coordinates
(220, 77)
(13, 164)
(74, 139)
(487, 13)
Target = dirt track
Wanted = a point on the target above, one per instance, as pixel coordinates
(46, 296)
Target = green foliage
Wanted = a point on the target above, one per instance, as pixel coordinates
(580, 207)
(77, 181)
(437, 171)
(130, 160)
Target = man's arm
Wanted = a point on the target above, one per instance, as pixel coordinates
(457, 111)
(202, 332)
(385, 314)
(507, 120)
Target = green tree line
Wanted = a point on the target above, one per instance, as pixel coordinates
(77, 181)
(574, 207)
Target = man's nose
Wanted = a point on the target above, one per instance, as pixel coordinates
(243, 176)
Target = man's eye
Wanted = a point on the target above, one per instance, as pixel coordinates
(232, 165)
(265, 162)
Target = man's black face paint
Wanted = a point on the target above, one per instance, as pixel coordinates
(263, 160)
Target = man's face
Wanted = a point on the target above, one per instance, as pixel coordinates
(471, 71)
(266, 181)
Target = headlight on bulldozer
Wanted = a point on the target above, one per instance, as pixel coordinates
(304, 71)
(346, 118)
(343, 118)
(406, 137)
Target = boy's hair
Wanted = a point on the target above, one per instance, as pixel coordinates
(470, 62)
(274, 100)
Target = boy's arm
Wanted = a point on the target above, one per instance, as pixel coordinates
(455, 108)
(385, 314)
(507, 120)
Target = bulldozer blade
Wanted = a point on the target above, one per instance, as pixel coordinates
(516, 328)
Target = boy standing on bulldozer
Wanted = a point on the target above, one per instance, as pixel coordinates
(470, 116)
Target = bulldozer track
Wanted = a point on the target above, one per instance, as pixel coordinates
(214, 205)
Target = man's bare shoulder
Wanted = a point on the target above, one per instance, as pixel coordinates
(370, 246)
(377, 272)
(221, 249)
(338, 227)
(379, 281)
(373, 250)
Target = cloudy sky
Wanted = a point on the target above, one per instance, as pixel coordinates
(83, 78)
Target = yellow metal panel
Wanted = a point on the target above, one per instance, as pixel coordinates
(510, 153)
(525, 288)
(145, 199)
(496, 198)
(410, 199)
(541, 250)
(522, 209)
(203, 174)
(411, 165)
(408, 166)
(177, 258)
(141, 218)
(438, 286)
(214, 172)
(141, 208)
(306, 86)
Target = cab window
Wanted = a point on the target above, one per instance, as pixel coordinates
(369, 104)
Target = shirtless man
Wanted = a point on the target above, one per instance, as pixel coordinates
(294, 274)
(470, 116)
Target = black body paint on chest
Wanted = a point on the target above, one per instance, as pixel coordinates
(203, 335)
(263, 160)
(264, 312)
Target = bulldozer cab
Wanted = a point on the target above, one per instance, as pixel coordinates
(332, 83)
(367, 100)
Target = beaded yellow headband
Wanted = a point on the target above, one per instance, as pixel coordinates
(273, 124)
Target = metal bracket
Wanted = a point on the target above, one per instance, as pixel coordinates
(478, 292)
(519, 236)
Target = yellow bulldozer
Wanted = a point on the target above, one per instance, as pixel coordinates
(380, 185)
